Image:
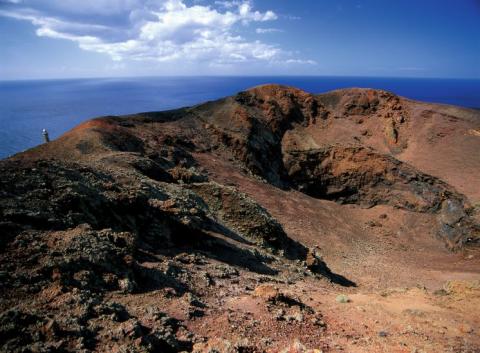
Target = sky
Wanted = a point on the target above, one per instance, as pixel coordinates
(115, 38)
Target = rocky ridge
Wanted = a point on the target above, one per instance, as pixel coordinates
(128, 225)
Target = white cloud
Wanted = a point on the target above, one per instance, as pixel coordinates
(154, 30)
(300, 61)
(268, 30)
(228, 4)
(246, 13)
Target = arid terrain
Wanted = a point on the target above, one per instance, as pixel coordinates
(274, 220)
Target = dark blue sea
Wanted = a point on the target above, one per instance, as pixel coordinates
(26, 107)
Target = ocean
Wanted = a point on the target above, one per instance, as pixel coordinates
(27, 107)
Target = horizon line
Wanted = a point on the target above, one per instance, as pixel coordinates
(233, 76)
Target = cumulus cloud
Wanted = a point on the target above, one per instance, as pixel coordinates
(154, 30)
(228, 4)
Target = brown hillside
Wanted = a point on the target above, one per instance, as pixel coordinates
(234, 225)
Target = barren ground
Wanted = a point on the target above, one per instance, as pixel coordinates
(271, 221)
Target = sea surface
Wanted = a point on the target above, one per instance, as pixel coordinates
(26, 107)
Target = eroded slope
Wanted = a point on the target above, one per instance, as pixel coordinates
(156, 231)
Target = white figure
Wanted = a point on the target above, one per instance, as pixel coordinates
(45, 135)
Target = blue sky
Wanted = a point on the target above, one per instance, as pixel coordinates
(89, 38)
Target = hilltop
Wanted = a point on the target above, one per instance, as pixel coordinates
(234, 225)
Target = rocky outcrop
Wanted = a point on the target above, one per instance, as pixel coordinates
(361, 176)
(252, 124)
(371, 104)
(79, 233)
(238, 212)
(253, 127)
(122, 208)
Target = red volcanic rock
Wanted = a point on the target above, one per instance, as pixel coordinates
(107, 230)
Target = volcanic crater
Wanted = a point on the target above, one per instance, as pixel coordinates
(274, 220)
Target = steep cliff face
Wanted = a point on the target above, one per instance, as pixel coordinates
(170, 207)
(275, 133)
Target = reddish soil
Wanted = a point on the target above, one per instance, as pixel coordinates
(236, 226)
